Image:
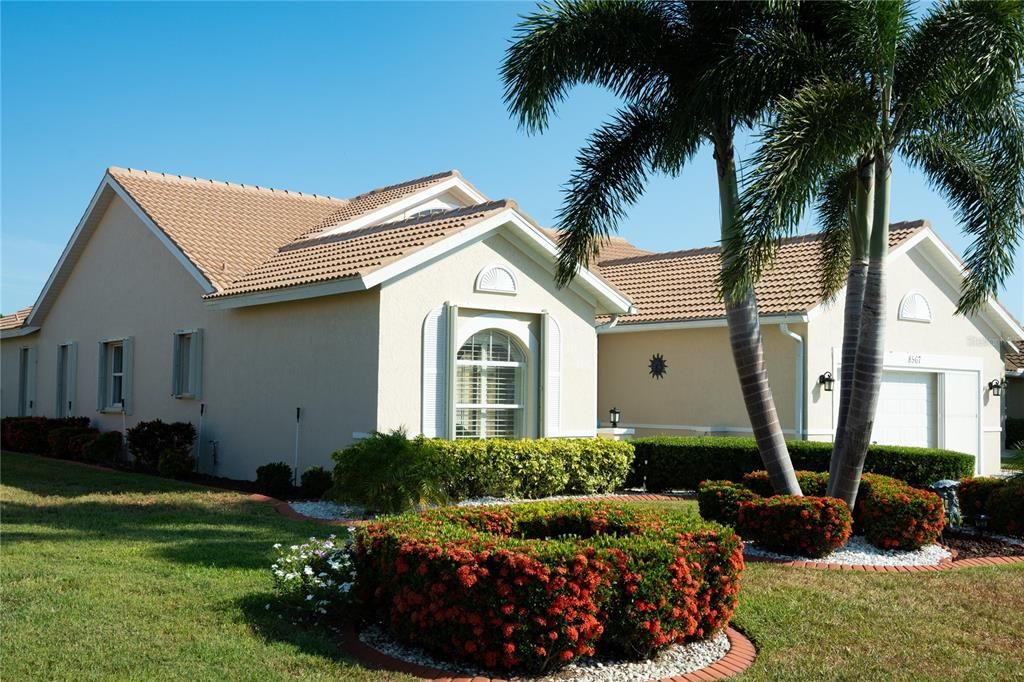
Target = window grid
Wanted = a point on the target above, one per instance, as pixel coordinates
(115, 385)
(490, 368)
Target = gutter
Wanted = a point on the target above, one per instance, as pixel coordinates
(798, 427)
(607, 325)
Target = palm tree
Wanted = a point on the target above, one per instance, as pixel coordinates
(666, 61)
(945, 94)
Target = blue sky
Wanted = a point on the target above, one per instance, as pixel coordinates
(328, 98)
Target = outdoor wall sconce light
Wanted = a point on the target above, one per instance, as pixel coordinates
(997, 386)
(826, 381)
(614, 415)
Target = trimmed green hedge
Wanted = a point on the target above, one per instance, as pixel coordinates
(681, 463)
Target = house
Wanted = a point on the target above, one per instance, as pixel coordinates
(938, 366)
(286, 325)
(1014, 397)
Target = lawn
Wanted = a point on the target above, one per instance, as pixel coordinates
(122, 576)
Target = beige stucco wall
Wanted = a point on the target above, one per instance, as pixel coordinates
(406, 302)
(259, 363)
(700, 392)
(948, 335)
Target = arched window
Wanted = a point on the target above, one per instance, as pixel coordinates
(490, 396)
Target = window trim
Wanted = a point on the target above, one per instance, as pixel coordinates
(105, 374)
(195, 359)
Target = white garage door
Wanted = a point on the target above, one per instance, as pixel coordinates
(907, 413)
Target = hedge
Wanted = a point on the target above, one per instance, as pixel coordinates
(392, 473)
(681, 463)
(534, 586)
(31, 434)
(890, 513)
(806, 526)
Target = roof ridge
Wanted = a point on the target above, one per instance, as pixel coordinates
(398, 224)
(426, 178)
(787, 241)
(192, 179)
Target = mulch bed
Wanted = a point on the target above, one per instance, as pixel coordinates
(970, 546)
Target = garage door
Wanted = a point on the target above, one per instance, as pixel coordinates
(907, 413)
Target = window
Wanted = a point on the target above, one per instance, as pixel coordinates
(114, 378)
(489, 393)
(66, 370)
(187, 363)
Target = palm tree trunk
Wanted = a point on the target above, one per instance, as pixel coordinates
(867, 378)
(747, 345)
(856, 282)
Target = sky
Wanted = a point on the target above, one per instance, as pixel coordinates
(333, 99)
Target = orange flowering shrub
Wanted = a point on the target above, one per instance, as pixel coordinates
(1001, 499)
(896, 516)
(814, 483)
(808, 526)
(533, 586)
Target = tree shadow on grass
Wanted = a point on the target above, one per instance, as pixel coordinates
(280, 623)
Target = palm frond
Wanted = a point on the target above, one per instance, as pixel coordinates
(834, 208)
(824, 124)
(963, 55)
(983, 180)
(611, 172)
(619, 46)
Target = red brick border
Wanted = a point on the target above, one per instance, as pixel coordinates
(740, 656)
(943, 565)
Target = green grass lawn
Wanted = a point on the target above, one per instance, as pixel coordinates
(121, 576)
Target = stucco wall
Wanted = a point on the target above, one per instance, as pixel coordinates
(700, 392)
(259, 363)
(948, 335)
(407, 301)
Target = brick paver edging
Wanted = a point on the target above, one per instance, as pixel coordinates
(740, 656)
(943, 565)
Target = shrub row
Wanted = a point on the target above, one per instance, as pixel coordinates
(890, 513)
(681, 463)
(68, 438)
(391, 473)
(1000, 499)
(534, 586)
(149, 442)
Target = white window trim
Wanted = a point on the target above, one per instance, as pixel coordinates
(104, 380)
(110, 348)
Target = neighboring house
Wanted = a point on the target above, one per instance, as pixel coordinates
(1014, 395)
(422, 305)
(937, 366)
(286, 325)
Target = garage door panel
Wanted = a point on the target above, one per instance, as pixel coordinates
(907, 411)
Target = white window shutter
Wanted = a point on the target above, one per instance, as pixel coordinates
(195, 363)
(30, 381)
(452, 349)
(435, 362)
(551, 376)
(128, 359)
(175, 363)
(72, 388)
(101, 376)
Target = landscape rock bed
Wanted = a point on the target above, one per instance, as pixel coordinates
(971, 545)
(678, 659)
(859, 552)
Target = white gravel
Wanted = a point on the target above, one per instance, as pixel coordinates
(676, 660)
(858, 551)
(322, 509)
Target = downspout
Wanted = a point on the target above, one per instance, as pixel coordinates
(798, 406)
(607, 325)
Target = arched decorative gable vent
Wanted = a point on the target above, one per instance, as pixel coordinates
(496, 279)
(914, 307)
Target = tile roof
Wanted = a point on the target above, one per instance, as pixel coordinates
(356, 253)
(614, 248)
(683, 285)
(1015, 361)
(15, 319)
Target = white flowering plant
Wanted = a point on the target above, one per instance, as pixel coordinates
(316, 576)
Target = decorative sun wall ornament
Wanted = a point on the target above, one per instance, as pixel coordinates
(658, 366)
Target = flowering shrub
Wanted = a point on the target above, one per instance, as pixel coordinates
(808, 526)
(974, 494)
(1006, 507)
(896, 516)
(720, 500)
(814, 483)
(534, 586)
(317, 575)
